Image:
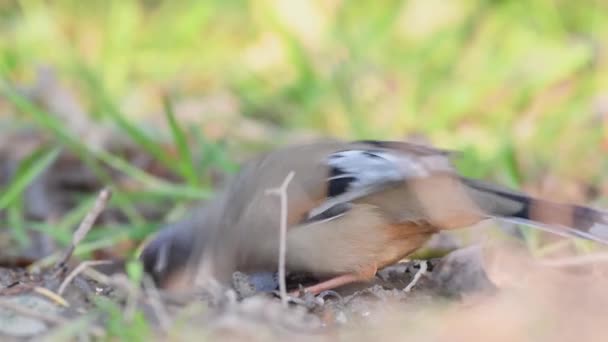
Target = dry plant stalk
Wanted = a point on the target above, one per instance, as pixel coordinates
(421, 271)
(281, 191)
(43, 291)
(97, 276)
(85, 226)
(81, 267)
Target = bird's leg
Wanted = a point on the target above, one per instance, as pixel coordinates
(331, 283)
(366, 274)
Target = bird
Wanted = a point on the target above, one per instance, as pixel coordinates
(353, 207)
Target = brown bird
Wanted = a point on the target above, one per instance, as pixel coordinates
(353, 208)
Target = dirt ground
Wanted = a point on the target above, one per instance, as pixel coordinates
(496, 294)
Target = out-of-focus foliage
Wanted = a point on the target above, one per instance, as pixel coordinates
(520, 87)
(499, 78)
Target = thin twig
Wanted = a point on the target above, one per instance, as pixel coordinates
(421, 271)
(77, 270)
(85, 225)
(281, 191)
(97, 276)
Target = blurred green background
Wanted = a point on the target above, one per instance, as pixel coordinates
(520, 86)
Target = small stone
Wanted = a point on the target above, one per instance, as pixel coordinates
(461, 272)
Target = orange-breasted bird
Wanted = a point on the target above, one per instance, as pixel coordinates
(353, 208)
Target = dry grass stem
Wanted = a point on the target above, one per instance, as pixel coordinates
(281, 191)
(421, 271)
(97, 276)
(77, 270)
(52, 296)
(85, 225)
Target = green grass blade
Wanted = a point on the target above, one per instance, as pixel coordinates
(28, 170)
(137, 135)
(186, 164)
(98, 238)
(153, 183)
(52, 123)
(16, 222)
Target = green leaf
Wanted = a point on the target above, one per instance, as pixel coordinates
(135, 270)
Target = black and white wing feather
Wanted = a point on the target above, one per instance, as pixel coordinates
(358, 172)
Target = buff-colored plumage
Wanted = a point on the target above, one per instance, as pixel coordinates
(396, 196)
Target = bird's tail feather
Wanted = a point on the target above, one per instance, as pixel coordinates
(562, 219)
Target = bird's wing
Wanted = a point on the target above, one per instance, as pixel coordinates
(410, 182)
(367, 169)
